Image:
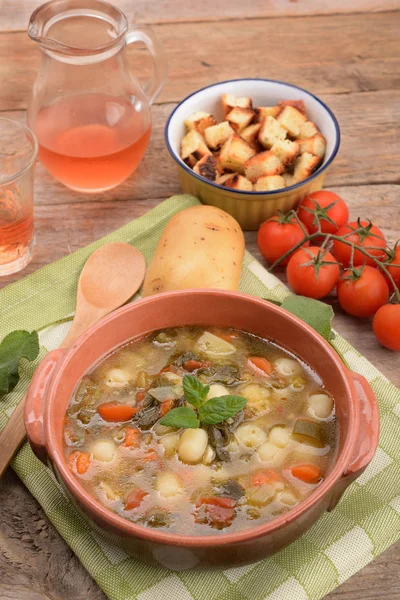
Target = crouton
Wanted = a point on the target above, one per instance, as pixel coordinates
(299, 104)
(314, 145)
(304, 166)
(265, 163)
(217, 135)
(268, 183)
(229, 102)
(207, 167)
(234, 153)
(238, 182)
(193, 143)
(291, 119)
(239, 118)
(191, 160)
(261, 112)
(250, 135)
(199, 121)
(288, 178)
(270, 132)
(286, 151)
(308, 129)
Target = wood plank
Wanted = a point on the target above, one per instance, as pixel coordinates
(336, 55)
(64, 228)
(14, 14)
(361, 117)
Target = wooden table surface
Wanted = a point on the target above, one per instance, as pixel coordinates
(348, 53)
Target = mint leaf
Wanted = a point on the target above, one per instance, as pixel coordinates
(195, 391)
(219, 409)
(181, 417)
(16, 345)
(315, 313)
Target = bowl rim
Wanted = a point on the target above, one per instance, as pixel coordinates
(320, 170)
(99, 512)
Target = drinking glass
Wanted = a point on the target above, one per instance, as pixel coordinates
(18, 152)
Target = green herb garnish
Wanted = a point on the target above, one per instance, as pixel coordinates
(16, 345)
(208, 412)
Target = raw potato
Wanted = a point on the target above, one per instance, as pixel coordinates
(169, 484)
(250, 435)
(321, 405)
(200, 247)
(103, 450)
(192, 445)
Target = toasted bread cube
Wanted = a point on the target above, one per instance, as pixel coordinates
(193, 143)
(191, 160)
(286, 151)
(262, 112)
(314, 145)
(234, 153)
(288, 178)
(199, 121)
(207, 167)
(265, 163)
(216, 135)
(270, 132)
(250, 135)
(299, 104)
(229, 102)
(221, 180)
(291, 119)
(304, 166)
(308, 129)
(239, 118)
(238, 182)
(268, 183)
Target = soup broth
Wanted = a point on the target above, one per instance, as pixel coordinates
(269, 453)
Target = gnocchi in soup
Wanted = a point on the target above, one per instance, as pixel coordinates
(193, 430)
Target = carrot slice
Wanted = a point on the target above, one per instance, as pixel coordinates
(264, 477)
(132, 437)
(307, 473)
(193, 365)
(134, 499)
(228, 336)
(79, 462)
(261, 363)
(140, 396)
(149, 456)
(166, 406)
(220, 501)
(114, 412)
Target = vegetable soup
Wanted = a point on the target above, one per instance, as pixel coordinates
(193, 430)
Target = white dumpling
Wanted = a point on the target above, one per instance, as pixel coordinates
(169, 484)
(321, 405)
(279, 436)
(288, 366)
(170, 443)
(117, 377)
(192, 445)
(103, 450)
(250, 435)
(216, 391)
(268, 451)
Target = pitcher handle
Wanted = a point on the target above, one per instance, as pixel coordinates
(144, 33)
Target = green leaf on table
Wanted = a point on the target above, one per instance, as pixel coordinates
(181, 417)
(315, 313)
(195, 391)
(219, 409)
(16, 345)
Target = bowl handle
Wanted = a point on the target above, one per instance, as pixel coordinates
(367, 436)
(35, 403)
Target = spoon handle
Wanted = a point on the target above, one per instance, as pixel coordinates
(12, 436)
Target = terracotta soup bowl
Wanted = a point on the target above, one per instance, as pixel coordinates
(57, 376)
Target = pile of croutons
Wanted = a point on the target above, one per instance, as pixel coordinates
(253, 149)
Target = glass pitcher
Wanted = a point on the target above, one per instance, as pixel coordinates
(89, 113)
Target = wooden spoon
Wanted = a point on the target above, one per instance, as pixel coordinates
(111, 275)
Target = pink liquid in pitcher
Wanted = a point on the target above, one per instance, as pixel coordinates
(91, 142)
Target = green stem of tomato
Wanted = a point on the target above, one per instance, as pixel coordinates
(330, 237)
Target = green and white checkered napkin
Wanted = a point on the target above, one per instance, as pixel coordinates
(364, 524)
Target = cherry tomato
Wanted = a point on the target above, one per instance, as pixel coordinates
(277, 236)
(393, 269)
(362, 291)
(329, 208)
(312, 272)
(386, 326)
(370, 237)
